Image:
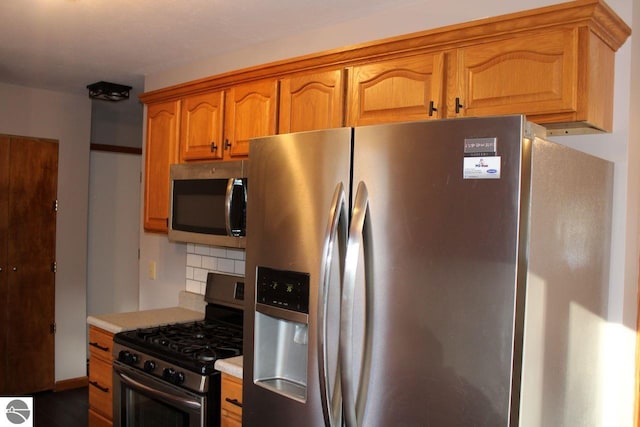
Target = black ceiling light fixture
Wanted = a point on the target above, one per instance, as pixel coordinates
(108, 91)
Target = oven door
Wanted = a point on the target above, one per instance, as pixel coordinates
(140, 399)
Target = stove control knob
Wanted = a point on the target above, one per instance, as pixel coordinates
(149, 366)
(178, 378)
(168, 374)
(127, 357)
(124, 356)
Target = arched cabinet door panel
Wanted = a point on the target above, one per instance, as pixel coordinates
(400, 89)
(251, 111)
(312, 101)
(161, 151)
(201, 127)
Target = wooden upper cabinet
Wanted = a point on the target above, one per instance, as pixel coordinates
(201, 127)
(555, 64)
(394, 90)
(161, 151)
(312, 101)
(251, 111)
(533, 75)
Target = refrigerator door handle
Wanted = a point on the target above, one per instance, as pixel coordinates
(358, 244)
(336, 233)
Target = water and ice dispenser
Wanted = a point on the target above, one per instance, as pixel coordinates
(281, 332)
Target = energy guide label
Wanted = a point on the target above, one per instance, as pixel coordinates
(481, 167)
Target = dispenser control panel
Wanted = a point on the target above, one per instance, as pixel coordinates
(283, 289)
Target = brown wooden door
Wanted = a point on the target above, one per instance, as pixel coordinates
(312, 101)
(400, 89)
(29, 299)
(162, 150)
(4, 268)
(251, 111)
(201, 125)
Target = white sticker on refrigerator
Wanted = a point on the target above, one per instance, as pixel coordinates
(481, 167)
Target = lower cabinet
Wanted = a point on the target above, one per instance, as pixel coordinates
(100, 377)
(96, 420)
(231, 401)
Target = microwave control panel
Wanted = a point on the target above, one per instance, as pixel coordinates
(288, 290)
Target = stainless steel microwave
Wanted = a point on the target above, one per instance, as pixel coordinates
(209, 203)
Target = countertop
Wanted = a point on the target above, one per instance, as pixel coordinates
(118, 322)
(231, 366)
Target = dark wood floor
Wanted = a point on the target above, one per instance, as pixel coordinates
(61, 409)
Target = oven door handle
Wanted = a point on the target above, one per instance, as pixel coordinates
(127, 380)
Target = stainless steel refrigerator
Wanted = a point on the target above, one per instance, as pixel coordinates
(436, 273)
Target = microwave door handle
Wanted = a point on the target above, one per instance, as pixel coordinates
(359, 242)
(336, 233)
(228, 200)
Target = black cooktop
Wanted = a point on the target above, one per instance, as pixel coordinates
(193, 345)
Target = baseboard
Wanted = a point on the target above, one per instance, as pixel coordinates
(71, 383)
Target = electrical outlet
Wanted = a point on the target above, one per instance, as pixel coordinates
(152, 270)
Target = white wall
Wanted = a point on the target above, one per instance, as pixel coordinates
(621, 146)
(117, 123)
(114, 206)
(67, 118)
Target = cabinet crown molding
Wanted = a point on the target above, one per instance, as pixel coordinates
(596, 15)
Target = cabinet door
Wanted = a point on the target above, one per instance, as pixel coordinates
(201, 127)
(101, 386)
(162, 148)
(311, 102)
(100, 376)
(231, 401)
(534, 74)
(400, 89)
(97, 420)
(251, 111)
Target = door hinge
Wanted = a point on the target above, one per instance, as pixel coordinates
(55, 206)
(53, 328)
(54, 267)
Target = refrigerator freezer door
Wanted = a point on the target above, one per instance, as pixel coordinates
(441, 291)
(291, 212)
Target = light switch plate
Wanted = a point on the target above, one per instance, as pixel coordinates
(152, 270)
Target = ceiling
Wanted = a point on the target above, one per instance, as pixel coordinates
(65, 45)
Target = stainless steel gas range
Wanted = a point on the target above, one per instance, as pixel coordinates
(165, 376)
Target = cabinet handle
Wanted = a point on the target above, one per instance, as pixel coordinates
(227, 144)
(233, 402)
(214, 147)
(459, 106)
(98, 346)
(15, 268)
(0, 269)
(431, 108)
(99, 387)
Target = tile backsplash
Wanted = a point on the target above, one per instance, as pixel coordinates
(202, 259)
